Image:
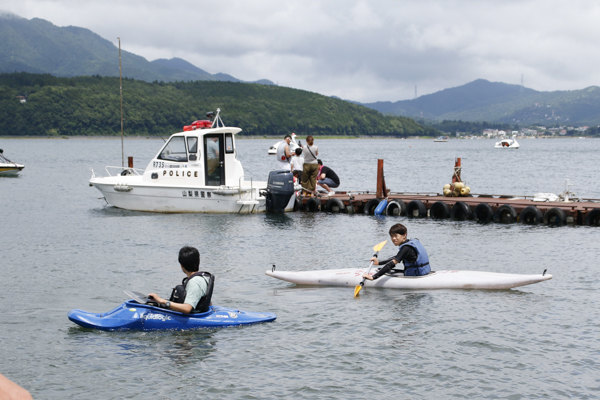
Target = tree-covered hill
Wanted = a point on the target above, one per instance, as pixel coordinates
(91, 106)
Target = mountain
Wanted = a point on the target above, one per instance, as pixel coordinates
(38, 46)
(482, 100)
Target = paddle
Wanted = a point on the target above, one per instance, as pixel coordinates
(376, 249)
(137, 296)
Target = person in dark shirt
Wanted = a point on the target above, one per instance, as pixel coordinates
(327, 179)
(411, 253)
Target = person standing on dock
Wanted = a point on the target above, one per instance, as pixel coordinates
(310, 169)
(410, 251)
(327, 179)
(283, 153)
(297, 164)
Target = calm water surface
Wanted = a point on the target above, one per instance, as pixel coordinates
(64, 248)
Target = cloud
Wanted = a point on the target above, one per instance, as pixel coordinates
(360, 50)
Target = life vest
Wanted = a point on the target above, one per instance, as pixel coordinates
(179, 292)
(281, 152)
(421, 265)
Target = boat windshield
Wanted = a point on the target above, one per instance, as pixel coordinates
(174, 150)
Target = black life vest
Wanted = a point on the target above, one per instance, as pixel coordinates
(179, 292)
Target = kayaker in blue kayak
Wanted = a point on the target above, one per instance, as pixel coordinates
(195, 292)
(411, 253)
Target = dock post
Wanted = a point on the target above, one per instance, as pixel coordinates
(457, 168)
(381, 188)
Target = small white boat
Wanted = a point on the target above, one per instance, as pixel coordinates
(441, 139)
(507, 144)
(446, 279)
(293, 145)
(7, 167)
(196, 171)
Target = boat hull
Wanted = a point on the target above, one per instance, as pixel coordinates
(447, 279)
(10, 169)
(133, 194)
(134, 316)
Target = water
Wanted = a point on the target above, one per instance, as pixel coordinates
(63, 248)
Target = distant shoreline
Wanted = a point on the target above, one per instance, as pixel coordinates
(242, 137)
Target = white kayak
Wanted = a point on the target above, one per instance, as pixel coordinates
(447, 279)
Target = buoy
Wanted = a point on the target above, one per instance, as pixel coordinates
(447, 186)
(455, 193)
(458, 186)
(447, 192)
(465, 191)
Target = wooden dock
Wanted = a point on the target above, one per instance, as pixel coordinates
(478, 207)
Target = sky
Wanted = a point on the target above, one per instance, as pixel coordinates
(366, 51)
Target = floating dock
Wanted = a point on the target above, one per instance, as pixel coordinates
(479, 207)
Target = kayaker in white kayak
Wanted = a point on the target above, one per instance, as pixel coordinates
(410, 252)
(195, 292)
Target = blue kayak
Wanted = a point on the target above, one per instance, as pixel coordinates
(133, 315)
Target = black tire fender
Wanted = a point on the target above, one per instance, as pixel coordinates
(416, 209)
(555, 216)
(298, 206)
(395, 208)
(461, 211)
(593, 217)
(505, 214)
(531, 215)
(334, 205)
(370, 207)
(483, 213)
(313, 204)
(439, 210)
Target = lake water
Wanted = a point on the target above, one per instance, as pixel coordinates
(64, 248)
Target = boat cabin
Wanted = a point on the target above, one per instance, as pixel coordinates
(198, 157)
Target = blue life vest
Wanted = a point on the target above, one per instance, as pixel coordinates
(421, 265)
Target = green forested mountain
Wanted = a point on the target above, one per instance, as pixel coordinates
(482, 100)
(91, 106)
(38, 46)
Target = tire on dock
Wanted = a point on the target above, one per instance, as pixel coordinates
(483, 213)
(531, 215)
(416, 209)
(334, 205)
(395, 208)
(593, 217)
(461, 211)
(313, 204)
(555, 216)
(439, 210)
(505, 214)
(370, 207)
(298, 206)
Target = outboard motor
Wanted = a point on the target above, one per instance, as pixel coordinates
(280, 188)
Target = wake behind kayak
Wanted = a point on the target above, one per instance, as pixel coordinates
(132, 315)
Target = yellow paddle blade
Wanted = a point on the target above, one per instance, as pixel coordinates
(357, 290)
(379, 246)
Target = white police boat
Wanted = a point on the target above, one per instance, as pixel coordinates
(196, 171)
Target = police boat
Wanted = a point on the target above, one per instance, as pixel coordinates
(196, 171)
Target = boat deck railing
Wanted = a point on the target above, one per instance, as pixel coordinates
(121, 171)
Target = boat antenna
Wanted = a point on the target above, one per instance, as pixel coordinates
(215, 118)
(121, 93)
